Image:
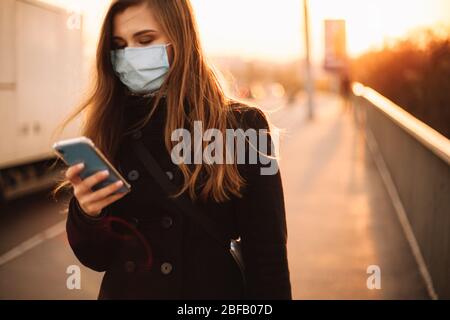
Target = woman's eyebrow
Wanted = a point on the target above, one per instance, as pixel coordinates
(137, 34)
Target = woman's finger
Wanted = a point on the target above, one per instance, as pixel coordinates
(103, 192)
(85, 186)
(99, 205)
(73, 173)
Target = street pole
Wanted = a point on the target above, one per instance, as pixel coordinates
(309, 73)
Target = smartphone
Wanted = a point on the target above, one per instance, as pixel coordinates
(82, 149)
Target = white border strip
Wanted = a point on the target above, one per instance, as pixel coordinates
(401, 213)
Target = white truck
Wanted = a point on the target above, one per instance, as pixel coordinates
(41, 77)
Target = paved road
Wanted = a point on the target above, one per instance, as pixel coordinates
(34, 245)
(340, 221)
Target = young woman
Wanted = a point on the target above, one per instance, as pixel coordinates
(152, 78)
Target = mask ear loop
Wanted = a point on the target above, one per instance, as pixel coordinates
(165, 47)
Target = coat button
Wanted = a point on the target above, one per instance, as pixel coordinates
(130, 266)
(166, 268)
(133, 175)
(169, 175)
(166, 222)
(137, 135)
(135, 222)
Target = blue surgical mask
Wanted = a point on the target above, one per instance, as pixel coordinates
(142, 70)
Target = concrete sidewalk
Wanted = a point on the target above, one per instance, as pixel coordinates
(340, 217)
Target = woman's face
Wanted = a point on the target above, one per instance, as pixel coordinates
(137, 27)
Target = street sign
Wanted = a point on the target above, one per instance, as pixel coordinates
(335, 45)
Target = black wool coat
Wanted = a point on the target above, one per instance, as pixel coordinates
(150, 250)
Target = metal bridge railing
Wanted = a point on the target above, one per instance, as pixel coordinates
(414, 162)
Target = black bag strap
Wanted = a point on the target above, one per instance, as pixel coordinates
(183, 202)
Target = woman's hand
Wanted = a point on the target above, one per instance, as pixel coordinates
(92, 202)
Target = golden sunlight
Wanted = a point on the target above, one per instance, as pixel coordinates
(372, 22)
(268, 29)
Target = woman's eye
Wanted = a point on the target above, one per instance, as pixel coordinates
(145, 41)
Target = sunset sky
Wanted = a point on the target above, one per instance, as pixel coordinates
(269, 29)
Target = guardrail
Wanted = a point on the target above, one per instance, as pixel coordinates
(414, 162)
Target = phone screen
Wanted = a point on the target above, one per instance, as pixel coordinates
(74, 151)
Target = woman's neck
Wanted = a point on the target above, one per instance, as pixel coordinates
(151, 94)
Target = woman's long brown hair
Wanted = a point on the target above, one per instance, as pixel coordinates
(190, 81)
